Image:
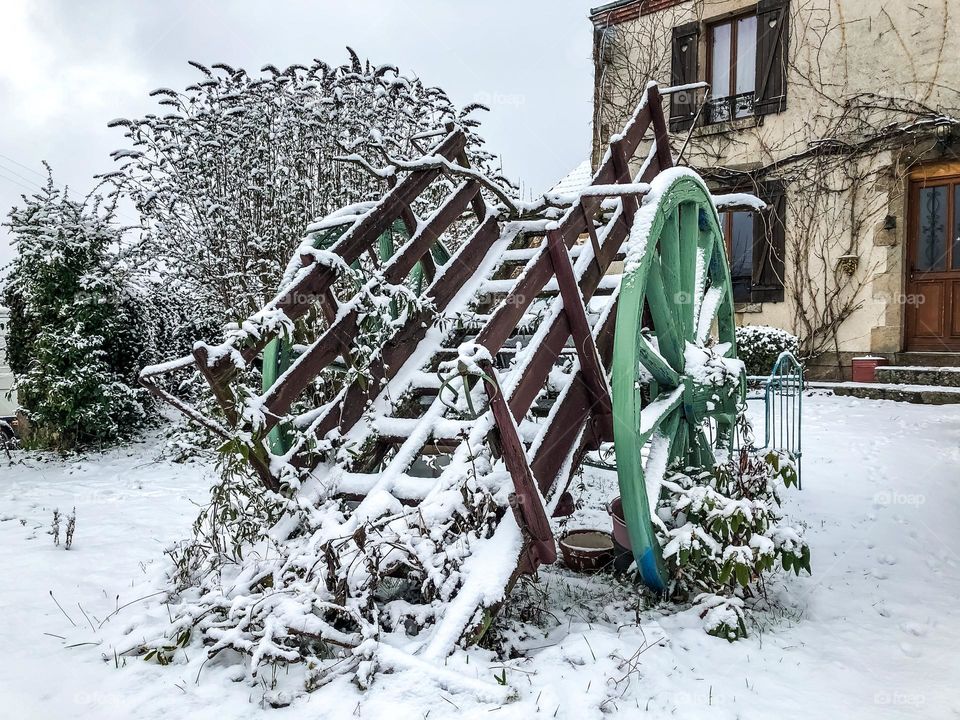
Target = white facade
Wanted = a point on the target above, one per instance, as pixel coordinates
(7, 405)
(871, 119)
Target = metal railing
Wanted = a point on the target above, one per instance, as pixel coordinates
(783, 408)
(725, 109)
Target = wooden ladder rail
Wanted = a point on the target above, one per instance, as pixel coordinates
(593, 402)
(296, 300)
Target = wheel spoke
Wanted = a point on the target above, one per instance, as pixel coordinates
(664, 319)
(705, 457)
(726, 326)
(661, 455)
(655, 363)
(705, 247)
(707, 243)
(681, 442)
(670, 264)
(653, 415)
(712, 299)
(689, 243)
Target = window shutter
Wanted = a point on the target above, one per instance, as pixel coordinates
(683, 71)
(769, 246)
(773, 32)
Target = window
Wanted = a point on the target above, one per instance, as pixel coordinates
(737, 229)
(746, 66)
(756, 243)
(733, 68)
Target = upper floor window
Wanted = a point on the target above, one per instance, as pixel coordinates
(732, 53)
(743, 58)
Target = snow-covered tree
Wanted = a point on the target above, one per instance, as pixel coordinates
(233, 170)
(75, 333)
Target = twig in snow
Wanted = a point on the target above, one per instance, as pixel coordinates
(62, 610)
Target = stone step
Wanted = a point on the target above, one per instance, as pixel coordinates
(919, 375)
(917, 394)
(926, 359)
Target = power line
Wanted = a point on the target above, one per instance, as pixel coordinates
(13, 172)
(17, 183)
(25, 167)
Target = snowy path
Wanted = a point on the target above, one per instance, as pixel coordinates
(874, 633)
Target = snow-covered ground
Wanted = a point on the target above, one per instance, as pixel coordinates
(874, 633)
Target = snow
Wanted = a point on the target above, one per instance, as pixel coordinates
(738, 200)
(636, 246)
(871, 634)
(946, 389)
(575, 180)
(918, 368)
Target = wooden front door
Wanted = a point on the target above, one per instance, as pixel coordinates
(933, 264)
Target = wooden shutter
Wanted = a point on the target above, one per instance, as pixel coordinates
(683, 71)
(769, 245)
(773, 33)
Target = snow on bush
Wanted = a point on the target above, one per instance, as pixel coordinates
(722, 530)
(76, 339)
(232, 170)
(759, 346)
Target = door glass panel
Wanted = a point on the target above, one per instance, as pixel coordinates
(720, 61)
(956, 227)
(932, 233)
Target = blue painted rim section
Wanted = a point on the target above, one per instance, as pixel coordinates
(648, 570)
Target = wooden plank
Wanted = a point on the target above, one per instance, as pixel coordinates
(591, 230)
(218, 384)
(536, 371)
(576, 314)
(477, 202)
(342, 332)
(419, 245)
(621, 166)
(296, 301)
(570, 416)
(526, 502)
(660, 133)
(399, 349)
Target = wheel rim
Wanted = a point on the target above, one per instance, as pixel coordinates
(681, 286)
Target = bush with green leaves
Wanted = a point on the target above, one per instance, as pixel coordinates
(759, 346)
(723, 530)
(76, 334)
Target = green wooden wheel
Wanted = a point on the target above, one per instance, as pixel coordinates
(675, 387)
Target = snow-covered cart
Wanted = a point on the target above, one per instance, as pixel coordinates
(427, 412)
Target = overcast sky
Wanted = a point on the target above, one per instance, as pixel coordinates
(68, 67)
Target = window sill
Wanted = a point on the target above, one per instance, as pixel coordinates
(724, 127)
(747, 307)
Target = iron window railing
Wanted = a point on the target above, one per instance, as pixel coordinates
(734, 107)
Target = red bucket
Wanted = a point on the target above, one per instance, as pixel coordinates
(620, 534)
